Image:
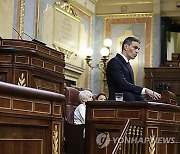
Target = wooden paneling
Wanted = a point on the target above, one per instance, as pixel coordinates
(57, 109)
(38, 65)
(28, 125)
(175, 56)
(5, 58)
(177, 117)
(22, 59)
(152, 115)
(36, 144)
(166, 116)
(41, 107)
(22, 105)
(36, 62)
(106, 113)
(173, 63)
(149, 122)
(163, 77)
(128, 114)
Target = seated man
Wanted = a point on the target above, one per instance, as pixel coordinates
(80, 111)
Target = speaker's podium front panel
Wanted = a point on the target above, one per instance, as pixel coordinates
(154, 127)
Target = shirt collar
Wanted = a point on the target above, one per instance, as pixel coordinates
(124, 57)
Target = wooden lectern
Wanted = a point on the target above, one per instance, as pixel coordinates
(31, 64)
(154, 127)
(30, 117)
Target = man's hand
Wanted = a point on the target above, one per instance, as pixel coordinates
(154, 95)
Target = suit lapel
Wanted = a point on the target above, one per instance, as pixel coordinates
(126, 65)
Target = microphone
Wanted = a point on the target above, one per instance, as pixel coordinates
(17, 33)
(34, 40)
(28, 35)
(152, 80)
(152, 76)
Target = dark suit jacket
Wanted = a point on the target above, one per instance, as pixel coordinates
(120, 79)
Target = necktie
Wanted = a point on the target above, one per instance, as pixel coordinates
(131, 71)
(129, 66)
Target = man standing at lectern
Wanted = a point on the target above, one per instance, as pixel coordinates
(119, 73)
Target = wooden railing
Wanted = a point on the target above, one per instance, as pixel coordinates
(31, 119)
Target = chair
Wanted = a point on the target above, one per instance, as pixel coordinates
(73, 134)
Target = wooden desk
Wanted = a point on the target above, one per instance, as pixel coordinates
(30, 120)
(173, 63)
(175, 56)
(106, 120)
(163, 76)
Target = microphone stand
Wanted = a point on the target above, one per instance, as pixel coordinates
(18, 33)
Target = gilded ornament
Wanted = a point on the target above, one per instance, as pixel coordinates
(21, 22)
(22, 80)
(55, 140)
(152, 143)
(68, 8)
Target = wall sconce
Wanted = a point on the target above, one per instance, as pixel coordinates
(104, 53)
(89, 53)
(107, 43)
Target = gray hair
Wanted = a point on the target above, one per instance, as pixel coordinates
(84, 94)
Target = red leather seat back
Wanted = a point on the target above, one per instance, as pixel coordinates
(71, 102)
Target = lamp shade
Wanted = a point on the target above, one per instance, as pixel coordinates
(107, 42)
(89, 52)
(104, 51)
